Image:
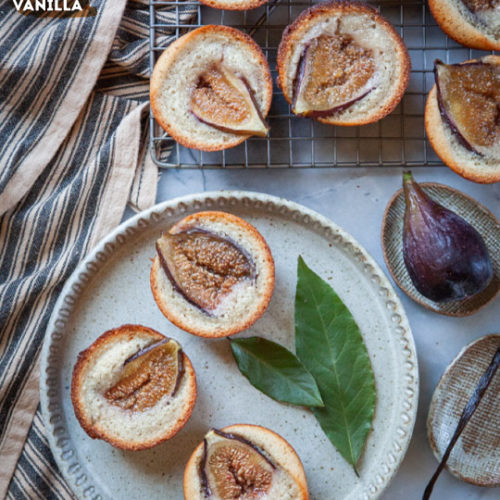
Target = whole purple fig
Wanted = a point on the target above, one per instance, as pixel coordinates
(445, 256)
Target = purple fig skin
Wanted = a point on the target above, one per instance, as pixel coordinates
(299, 75)
(180, 371)
(145, 350)
(241, 439)
(203, 475)
(229, 129)
(317, 113)
(445, 256)
(251, 93)
(337, 109)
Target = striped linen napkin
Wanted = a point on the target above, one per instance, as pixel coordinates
(73, 149)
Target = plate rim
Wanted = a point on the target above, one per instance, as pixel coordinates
(58, 435)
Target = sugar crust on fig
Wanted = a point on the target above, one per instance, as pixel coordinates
(203, 266)
(468, 97)
(148, 375)
(225, 101)
(234, 468)
(333, 73)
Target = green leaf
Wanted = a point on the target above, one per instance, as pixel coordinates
(275, 371)
(329, 343)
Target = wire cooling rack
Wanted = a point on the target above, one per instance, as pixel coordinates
(398, 140)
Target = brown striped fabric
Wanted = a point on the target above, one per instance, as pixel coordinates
(73, 143)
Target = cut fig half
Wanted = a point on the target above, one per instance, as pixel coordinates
(202, 266)
(234, 468)
(148, 375)
(333, 74)
(469, 101)
(225, 101)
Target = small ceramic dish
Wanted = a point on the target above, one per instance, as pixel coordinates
(475, 458)
(468, 208)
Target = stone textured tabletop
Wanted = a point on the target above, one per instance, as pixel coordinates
(355, 199)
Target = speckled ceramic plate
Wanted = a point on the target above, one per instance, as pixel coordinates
(468, 208)
(475, 458)
(111, 287)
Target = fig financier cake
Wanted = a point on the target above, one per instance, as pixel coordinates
(461, 117)
(244, 461)
(473, 23)
(213, 274)
(133, 388)
(212, 88)
(342, 64)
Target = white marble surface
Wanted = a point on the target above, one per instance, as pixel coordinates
(355, 199)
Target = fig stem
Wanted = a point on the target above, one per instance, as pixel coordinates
(407, 184)
(407, 176)
(414, 196)
(409, 188)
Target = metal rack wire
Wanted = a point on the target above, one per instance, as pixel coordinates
(398, 140)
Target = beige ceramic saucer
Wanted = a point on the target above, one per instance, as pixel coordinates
(468, 208)
(475, 458)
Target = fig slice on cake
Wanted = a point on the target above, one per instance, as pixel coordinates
(333, 73)
(225, 101)
(151, 373)
(203, 266)
(232, 467)
(244, 462)
(469, 101)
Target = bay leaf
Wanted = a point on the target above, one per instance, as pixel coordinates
(330, 345)
(275, 371)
